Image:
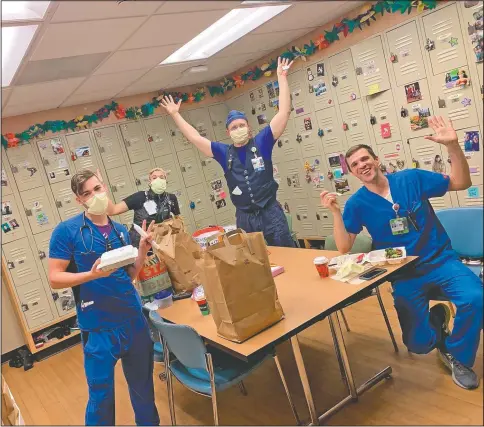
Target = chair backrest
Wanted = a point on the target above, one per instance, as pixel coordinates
(289, 221)
(465, 229)
(183, 341)
(362, 243)
(153, 331)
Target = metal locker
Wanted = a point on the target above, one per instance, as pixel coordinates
(179, 141)
(330, 128)
(55, 160)
(189, 167)
(42, 245)
(20, 261)
(158, 136)
(237, 103)
(306, 131)
(297, 87)
(443, 39)
(65, 200)
(392, 157)
(414, 107)
(170, 165)
(370, 66)
(293, 180)
(127, 218)
(324, 221)
(338, 173)
(64, 301)
(141, 174)
(226, 218)
(343, 77)
(183, 204)
(205, 222)
(24, 167)
(218, 115)
(109, 147)
(279, 173)
(134, 142)
(82, 151)
(200, 120)
(319, 89)
(471, 197)
(258, 110)
(34, 304)
(472, 12)
(211, 168)
(287, 147)
(6, 182)
(199, 201)
(219, 195)
(354, 123)
(405, 53)
(315, 176)
(120, 182)
(453, 97)
(383, 118)
(303, 222)
(38, 210)
(473, 152)
(12, 225)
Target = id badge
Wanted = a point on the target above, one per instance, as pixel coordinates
(258, 164)
(399, 226)
(150, 207)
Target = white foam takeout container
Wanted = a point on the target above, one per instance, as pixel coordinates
(118, 258)
(378, 257)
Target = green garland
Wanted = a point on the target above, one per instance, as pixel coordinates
(346, 26)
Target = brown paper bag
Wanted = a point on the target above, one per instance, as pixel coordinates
(11, 415)
(179, 252)
(239, 286)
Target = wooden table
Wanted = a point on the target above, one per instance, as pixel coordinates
(306, 299)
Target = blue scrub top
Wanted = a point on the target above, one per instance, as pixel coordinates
(104, 303)
(411, 189)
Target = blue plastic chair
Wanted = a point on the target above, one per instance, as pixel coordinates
(157, 347)
(201, 371)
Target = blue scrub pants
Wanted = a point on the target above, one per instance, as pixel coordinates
(461, 286)
(271, 221)
(130, 342)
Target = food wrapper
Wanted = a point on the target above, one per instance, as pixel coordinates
(348, 271)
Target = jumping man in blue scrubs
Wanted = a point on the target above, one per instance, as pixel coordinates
(109, 310)
(247, 164)
(396, 211)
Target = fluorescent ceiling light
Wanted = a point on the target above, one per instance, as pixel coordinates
(13, 10)
(15, 42)
(232, 26)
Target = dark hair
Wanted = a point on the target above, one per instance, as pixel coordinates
(355, 148)
(79, 179)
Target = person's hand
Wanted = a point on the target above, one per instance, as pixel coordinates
(145, 242)
(283, 66)
(329, 201)
(97, 273)
(444, 131)
(169, 105)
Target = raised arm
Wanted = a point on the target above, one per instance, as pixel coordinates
(116, 208)
(173, 109)
(279, 122)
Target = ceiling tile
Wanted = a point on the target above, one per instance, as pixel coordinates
(54, 92)
(87, 10)
(29, 107)
(110, 82)
(85, 98)
(176, 28)
(191, 6)
(136, 58)
(81, 38)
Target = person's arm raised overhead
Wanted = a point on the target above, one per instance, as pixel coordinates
(279, 122)
(190, 133)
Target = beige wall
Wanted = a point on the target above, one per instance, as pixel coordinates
(12, 337)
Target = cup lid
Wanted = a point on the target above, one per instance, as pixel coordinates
(321, 260)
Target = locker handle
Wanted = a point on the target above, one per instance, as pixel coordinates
(42, 255)
(28, 212)
(204, 163)
(46, 162)
(101, 149)
(10, 265)
(358, 71)
(127, 143)
(298, 217)
(14, 169)
(318, 217)
(114, 189)
(183, 169)
(58, 204)
(137, 181)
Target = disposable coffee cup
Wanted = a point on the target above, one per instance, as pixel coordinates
(321, 264)
(203, 305)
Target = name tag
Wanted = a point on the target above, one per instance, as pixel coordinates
(258, 164)
(399, 226)
(150, 207)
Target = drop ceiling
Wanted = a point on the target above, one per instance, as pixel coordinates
(87, 51)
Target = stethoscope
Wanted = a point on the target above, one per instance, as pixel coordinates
(108, 245)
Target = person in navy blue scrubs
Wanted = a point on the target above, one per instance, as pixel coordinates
(108, 306)
(247, 164)
(396, 211)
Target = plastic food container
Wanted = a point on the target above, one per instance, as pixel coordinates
(336, 262)
(378, 257)
(164, 302)
(118, 258)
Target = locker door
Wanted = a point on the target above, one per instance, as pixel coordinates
(120, 182)
(82, 151)
(237, 103)
(470, 13)
(453, 97)
(64, 301)
(109, 147)
(316, 178)
(257, 108)
(344, 77)
(189, 167)
(54, 158)
(442, 28)
(319, 87)
(12, 225)
(140, 172)
(200, 120)
(6, 182)
(382, 108)
(20, 261)
(355, 123)
(127, 218)
(197, 195)
(303, 222)
(171, 167)
(158, 136)
(183, 205)
(34, 304)
(297, 87)
(218, 114)
(370, 66)
(414, 101)
(293, 180)
(42, 245)
(286, 147)
(65, 200)
(341, 180)
(211, 168)
(405, 44)
(205, 222)
(333, 138)
(134, 142)
(324, 221)
(219, 195)
(279, 173)
(24, 167)
(307, 135)
(473, 152)
(471, 197)
(38, 210)
(179, 140)
(392, 157)
(225, 218)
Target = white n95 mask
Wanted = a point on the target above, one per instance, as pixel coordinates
(240, 136)
(97, 204)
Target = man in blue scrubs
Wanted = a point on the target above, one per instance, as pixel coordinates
(108, 307)
(396, 211)
(247, 164)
